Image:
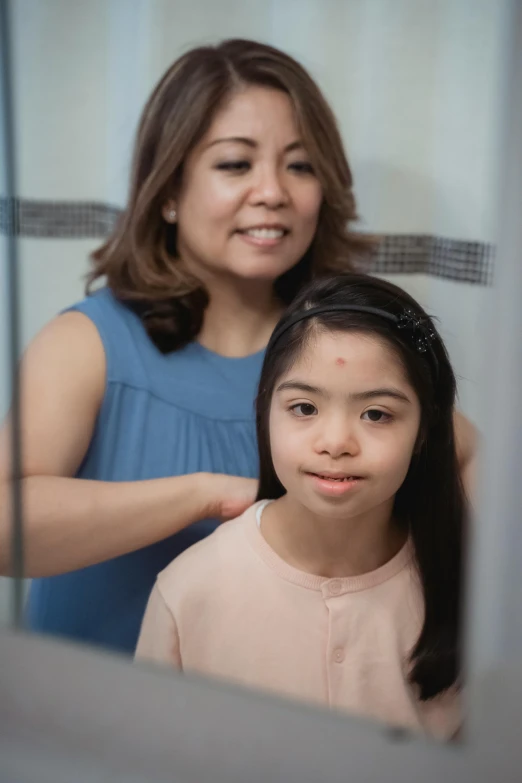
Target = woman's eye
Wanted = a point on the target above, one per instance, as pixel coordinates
(234, 165)
(303, 409)
(302, 167)
(377, 416)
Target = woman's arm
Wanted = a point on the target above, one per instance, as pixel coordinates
(71, 523)
(466, 437)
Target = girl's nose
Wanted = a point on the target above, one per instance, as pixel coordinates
(338, 439)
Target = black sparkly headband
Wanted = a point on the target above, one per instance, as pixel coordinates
(420, 329)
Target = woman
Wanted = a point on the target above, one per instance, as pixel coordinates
(137, 404)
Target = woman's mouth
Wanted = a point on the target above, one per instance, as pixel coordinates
(264, 236)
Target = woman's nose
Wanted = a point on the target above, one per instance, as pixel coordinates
(270, 188)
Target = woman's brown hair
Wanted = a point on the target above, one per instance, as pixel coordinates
(139, 261)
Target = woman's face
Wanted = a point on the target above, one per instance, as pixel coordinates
(249, 200)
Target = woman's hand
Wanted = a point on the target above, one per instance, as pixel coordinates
(227, 497)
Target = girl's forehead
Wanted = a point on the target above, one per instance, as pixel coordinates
(350, 354)
(344, 346)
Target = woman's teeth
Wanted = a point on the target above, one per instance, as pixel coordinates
(265, 233)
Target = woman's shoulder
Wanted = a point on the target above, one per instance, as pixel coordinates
(123, 337)
(203, 389)
(111, 317)
(102, 307)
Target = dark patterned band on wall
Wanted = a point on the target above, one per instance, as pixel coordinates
(452, 259)
(57, 219)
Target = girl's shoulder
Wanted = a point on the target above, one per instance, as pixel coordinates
(223, 556)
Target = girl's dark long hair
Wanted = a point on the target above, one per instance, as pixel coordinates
(430, 503)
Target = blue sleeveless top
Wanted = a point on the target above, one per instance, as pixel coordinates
(162, 415)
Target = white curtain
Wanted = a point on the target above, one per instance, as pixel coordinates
(416, 86)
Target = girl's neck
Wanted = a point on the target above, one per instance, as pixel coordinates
(331, 547)
(239, 319)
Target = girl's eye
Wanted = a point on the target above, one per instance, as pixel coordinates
(234, 166)
(377, 416)
(303, 409)
(302, 167)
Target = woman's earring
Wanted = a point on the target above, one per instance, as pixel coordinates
(171, 215)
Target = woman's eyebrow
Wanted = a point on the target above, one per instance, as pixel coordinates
(294, 145)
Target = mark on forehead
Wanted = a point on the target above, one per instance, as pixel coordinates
(340, 361)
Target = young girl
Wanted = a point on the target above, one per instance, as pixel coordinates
(342, 584)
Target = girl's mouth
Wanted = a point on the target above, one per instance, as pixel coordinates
(334, 485)
(326, 477)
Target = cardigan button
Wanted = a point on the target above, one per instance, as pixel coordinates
(334, 588)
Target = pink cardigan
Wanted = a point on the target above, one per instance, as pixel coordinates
(230, 607)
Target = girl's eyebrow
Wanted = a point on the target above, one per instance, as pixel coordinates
(387, 391)
(370, 394)
(299, 386)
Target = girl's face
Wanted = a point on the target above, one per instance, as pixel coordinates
(249, 201)
(343, 425)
